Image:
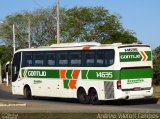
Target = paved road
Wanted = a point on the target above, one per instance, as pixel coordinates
(62, 105)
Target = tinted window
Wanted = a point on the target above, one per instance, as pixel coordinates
(63, 59)
(17, 59)
(16, 66)
(109, 57)
(89, 58)
(39, 58)
(75, 58)
(51, 59)
(100, 58)
(27, 59)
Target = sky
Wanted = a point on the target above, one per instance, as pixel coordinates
(140, 16)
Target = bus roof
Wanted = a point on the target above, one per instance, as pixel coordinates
(81, 45)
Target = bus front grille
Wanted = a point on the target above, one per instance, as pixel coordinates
(108, 89)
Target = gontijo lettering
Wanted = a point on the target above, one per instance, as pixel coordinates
(37, 73)
(135, 56)
(130, 56)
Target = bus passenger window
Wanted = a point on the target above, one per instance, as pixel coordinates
(100, 58)
(27, 59)
(51, 59)
(39, 59)
(75, 58)
(109, 57)
(63, 59)
(89, 58)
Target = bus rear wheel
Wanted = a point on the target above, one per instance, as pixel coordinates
(93, 96)
(82, 96)
(27, 92)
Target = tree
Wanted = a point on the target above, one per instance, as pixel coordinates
(43, 27)
(5, 56)
(76, 24)
(19, 21)
(94, 24)
(156, 63)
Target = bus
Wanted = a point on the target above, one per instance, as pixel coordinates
(87, 71)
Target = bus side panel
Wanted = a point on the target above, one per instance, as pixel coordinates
(51, 88)
(18, 86)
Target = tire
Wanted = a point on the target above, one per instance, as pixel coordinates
(82, 96)
(93, 96)
(27, 93)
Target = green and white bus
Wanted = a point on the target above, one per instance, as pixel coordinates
(87, 71)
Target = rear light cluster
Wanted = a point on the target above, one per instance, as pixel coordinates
(119, 84)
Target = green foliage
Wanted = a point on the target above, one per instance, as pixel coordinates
(52, 41)
(156, 63)
(5, 56)
(43, 27)
(19, 20)
(76, 24)
(94, 24)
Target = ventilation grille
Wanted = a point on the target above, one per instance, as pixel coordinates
(109, 89)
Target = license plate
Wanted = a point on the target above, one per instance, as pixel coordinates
(137, 88)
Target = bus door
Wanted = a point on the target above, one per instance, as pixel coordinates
(16, 62)
(16, 66)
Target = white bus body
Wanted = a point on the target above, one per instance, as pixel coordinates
(87, 71)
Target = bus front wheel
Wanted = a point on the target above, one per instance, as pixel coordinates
(82, 96)
(27, 92)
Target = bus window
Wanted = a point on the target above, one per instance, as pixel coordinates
(100, 58)
(89, 58)
(38, 58)
(50, 60)
(75, 58)
(109, 57)
(27, 59)
(63, 59)
(16, 66)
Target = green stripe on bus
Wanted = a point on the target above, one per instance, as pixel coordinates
(136, 73)
(149, 54)
(69, 74)
(84, 72)
(134, 56)
(65, 83)
(100, 74)
(90, 74)
(37, 73)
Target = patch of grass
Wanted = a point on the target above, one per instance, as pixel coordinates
(156, 91)
(49, 115)
(120, 115)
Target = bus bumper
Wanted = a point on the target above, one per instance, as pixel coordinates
(134, 94)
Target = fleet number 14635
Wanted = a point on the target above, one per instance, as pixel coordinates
(104, 74)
